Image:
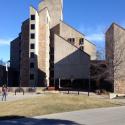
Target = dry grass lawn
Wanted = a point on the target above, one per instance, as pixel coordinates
(51, 103)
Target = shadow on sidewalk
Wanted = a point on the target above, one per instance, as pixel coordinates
(21, 120)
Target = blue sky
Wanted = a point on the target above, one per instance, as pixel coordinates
(91, 17)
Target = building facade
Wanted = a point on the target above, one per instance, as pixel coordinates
(115, 56)
(48, 49)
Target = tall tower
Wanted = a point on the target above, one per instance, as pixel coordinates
(55, 8)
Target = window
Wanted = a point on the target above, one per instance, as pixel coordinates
(31, 76)
(32, 55)
(31, 65)
(32, 26)
(32, 46)
(32, 36)
(32, 17)
(71, 40)
(82, 48)
(81, 41)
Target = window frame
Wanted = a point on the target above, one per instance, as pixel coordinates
(32, 17)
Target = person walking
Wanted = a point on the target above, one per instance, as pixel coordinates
(4, 92)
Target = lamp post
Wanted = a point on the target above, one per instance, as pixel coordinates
(7, 70)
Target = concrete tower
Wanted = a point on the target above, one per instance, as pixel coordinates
(55, 8)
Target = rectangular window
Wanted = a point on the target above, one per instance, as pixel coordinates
(32, 17)
(31, 76)
(31, 65)
(32, 55)
(71, 40)
(81, 41)
(32, 36)
(32, 26)
(32, 46)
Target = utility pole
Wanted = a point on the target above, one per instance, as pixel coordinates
(7, 71)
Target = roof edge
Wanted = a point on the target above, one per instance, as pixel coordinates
(72, 44)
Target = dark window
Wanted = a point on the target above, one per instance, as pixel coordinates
(71, 40)
(32, 55)
(32, 17)
(32, 26)
(31, 65)
(82, 47)
(32, 36)
(31, 76)
(32, 46)
(81, 41)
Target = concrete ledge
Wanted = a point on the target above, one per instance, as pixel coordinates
(114, 95)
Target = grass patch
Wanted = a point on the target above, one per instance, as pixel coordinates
(51, 103)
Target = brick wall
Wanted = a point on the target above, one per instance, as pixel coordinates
(24, 64)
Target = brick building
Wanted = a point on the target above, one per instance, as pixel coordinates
(48, 49)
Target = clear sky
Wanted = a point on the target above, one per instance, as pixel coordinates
(91, 17)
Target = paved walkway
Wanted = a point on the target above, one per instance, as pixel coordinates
(20, 96)
(103, 116)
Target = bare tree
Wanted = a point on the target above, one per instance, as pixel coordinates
(100, 54)
(98, 72)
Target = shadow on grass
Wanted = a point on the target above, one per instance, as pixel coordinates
(21, 120)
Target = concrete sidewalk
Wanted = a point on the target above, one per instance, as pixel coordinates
(102, 116)
(20, 96)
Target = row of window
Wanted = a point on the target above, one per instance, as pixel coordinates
(32, 26)
(32, 35)
(32, 55)
(31, 76)
(72, 41)
(32, 46)
(32, 65)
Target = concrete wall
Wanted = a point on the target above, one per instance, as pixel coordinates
(69, 61)
(67, 32)
(44, 41)
(90, 49)
(55, 8)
